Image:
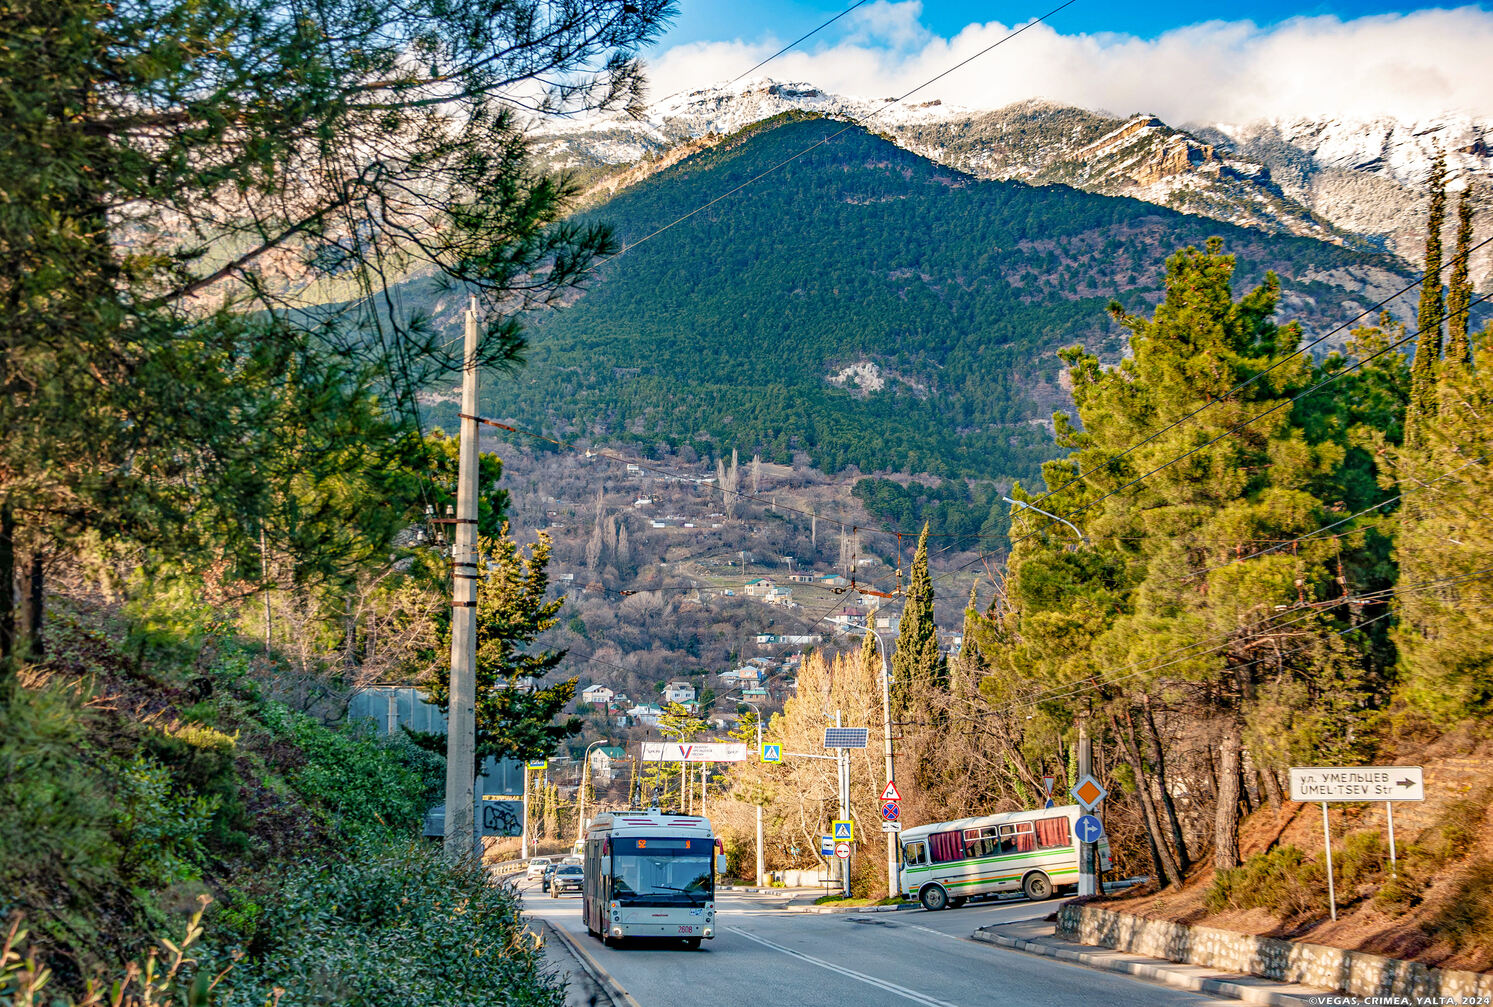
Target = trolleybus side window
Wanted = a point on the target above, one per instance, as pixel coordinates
(1053, 832)
(915, 854)
(946, 846)
(1018, 838)
(981, 843)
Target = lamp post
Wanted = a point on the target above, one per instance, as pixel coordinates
(892, 887)
(580, 823)
(758, 712)
(1039, 510)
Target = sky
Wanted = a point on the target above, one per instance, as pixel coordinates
(1247, 60)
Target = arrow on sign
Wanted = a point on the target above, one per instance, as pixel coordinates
(1406, 783)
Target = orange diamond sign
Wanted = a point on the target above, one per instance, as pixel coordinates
(1088, 792)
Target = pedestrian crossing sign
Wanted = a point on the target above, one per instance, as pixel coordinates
(844, 832)
(772, 753)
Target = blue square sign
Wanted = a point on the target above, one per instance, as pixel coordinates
(772, 753)
(826, 846)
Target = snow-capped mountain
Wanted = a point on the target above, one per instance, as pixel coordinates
(1355, 183)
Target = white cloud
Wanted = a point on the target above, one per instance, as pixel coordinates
(1405, 65)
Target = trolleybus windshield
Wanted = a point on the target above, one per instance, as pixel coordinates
(650, 871)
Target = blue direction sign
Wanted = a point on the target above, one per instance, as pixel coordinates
(1088, 829)
(890, 811)
(843, 831)
(826, 846)
(772, 753)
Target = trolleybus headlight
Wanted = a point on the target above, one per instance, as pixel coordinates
(616, 931)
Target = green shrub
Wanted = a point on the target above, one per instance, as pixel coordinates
(1361, 859)
(1400, 893)
(160, 828)
(1466, 920)
(1282, 881)
(390, 925)
(362, 777)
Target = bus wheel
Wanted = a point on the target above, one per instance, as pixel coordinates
(934, 898)
(1037, 886)
(958, 901)
(693, 943)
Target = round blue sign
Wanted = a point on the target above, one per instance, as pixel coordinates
(1088, 829)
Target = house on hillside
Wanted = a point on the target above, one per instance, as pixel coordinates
(833, 580)
(598, 694)
(779, 596)
(755, 692)
(604, 762)
(758, 587)
(801, 577)
(647, 714)
(743, 675)
(679, 692)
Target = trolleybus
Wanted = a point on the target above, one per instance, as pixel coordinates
(650, 874)
(1034, 852)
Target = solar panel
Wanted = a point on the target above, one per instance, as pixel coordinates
(845, 737)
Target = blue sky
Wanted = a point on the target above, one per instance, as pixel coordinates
(1252, 59)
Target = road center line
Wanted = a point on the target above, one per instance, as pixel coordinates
(901, 991)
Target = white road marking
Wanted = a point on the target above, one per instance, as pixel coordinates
(936, 933)
(901, 991)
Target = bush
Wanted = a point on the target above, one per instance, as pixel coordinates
(160, 829)
(391, 925)
(1467, 918)
(1282, 881)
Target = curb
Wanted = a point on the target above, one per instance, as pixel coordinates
(848, 909)
(1158, 972)
(600, 976)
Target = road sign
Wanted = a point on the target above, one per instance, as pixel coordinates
(1088, 829)
(891, 826)
(843, 831)
(772, 753)
(702, 751)
(1088, 792)
(842, 850)
(1047, 782)
(890, 792)
(826, 846)
(539, 765)
(1357, 783)
(890, 810)
(846, 737)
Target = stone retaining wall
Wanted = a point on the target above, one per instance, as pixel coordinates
(1354, 972)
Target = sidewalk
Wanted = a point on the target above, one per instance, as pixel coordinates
(1035, 937)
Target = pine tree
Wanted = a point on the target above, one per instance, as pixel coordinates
(1459, 297)
(1432, 310)
(919, 671)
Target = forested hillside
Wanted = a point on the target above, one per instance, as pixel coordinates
(934, 300)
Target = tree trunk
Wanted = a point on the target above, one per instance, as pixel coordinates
(1272, 788)
(36, 576)
(1179, 842)
(1226, 819)
(7, 584)
(1166, 864)
(1246, 805)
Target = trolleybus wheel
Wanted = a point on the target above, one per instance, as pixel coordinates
(693, 943)
(1037, 886)
(934, 898)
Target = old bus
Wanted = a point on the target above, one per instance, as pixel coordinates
(1033, 852)
(651, 874)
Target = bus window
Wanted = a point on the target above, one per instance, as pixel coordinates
(1052, 832)
(946, 847)
(914, 854)
(981, 843)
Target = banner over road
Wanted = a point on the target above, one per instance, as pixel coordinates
(1357, 783)
(704, 751)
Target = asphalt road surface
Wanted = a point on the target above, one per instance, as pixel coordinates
(764, 957)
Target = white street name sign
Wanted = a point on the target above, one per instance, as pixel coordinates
(1357, 783)
(704, 751)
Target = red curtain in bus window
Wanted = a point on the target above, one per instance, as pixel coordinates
(946, 846)
(1025, 842)
(1052, 832)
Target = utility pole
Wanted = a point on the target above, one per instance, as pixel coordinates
(461, 729)
(523, 842)
(1086, 879)
(842, 763)
(886, 741)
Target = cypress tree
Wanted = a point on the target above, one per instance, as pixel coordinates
(1432, 310)
(916, 663)
(1458, 349)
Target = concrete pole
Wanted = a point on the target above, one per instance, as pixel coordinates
(523, 842)
(843, 766)
(461, 729)
(886, 740)
(1086, 880)
(760, 871)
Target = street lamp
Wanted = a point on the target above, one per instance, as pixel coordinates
(892, 887)
(580, 825)
(1039, 510)
(758, 712)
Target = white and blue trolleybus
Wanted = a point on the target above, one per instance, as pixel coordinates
(651, 874)
(1034, 852)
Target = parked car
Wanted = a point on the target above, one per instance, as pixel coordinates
(549, 872)
(567, 878)
(536, 867)
(578, 861)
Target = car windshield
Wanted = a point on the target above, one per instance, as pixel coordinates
(569, 870)
(649, 871)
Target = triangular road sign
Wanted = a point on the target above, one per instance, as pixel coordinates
(891, 793)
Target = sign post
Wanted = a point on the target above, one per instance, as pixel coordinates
(1356, 784)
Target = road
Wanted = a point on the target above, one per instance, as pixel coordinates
(769, 958)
